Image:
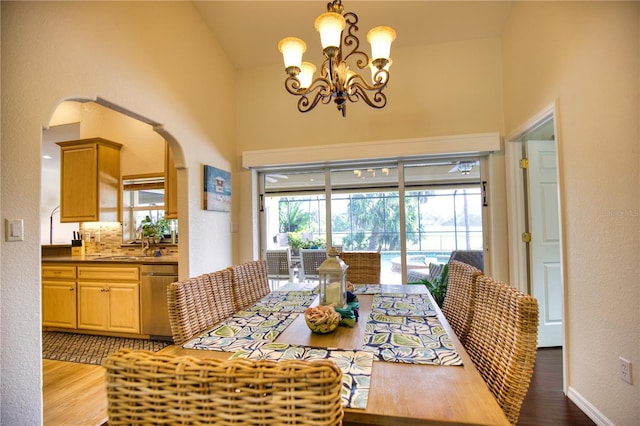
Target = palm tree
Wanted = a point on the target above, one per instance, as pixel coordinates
(291, 217)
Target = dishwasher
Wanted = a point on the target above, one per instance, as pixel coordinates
(153, 299)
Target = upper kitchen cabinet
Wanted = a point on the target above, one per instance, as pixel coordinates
(90, 181)
(170, 185)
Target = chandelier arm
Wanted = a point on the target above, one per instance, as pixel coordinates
(382, 77)
(350, 39)
(359, 91)
(318, 90)
(321, 84)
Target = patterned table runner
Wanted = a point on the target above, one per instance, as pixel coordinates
(355, 365)
(366, 289)
(401, 304)
(412, 340)
(243, 330)
(262, 322)
(293, 301)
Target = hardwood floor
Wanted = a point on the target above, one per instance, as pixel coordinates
(74, 394)
(545, 403)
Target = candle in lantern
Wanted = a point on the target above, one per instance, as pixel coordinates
(333, 294)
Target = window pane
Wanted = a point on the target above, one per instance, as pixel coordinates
(295, 210)
(365, 214)
(442, 217)
(142, 197)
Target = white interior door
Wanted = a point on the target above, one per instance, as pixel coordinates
(545, 265)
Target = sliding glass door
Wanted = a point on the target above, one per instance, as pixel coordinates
(441, 211)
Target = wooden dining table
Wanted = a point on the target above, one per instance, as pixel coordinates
(400, 393)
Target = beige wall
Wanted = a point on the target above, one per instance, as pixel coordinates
(155, 59)
(143, 149)
(586, 55)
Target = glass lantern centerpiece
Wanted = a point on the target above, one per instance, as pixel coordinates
(333, 280)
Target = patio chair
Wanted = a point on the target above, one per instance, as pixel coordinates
(460, 298)
(279, 266)
(249, 283)
(364, 266)
(311, 259)
(147, 388)
(474, 258)
(502, 341)
(197, 304)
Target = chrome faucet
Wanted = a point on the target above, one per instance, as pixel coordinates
(145, 246)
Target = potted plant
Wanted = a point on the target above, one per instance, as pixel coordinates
(295, 242)
(151, 230)
(437, 283)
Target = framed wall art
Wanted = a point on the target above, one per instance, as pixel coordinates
(217, 189)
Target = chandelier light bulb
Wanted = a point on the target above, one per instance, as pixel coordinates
(330, 26)
(292, 49)
(307, 70)
(380, 39)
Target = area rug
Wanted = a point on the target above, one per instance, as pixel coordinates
(87, 349)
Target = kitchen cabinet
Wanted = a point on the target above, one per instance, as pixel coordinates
(109, 298)
(59, 296)
(170, 185)
(90, 181)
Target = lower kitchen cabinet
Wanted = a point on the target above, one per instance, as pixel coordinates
(59, 296)
(109, 299)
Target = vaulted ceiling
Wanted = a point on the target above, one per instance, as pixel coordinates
(249, 31)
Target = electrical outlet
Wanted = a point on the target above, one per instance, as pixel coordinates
(625, 370)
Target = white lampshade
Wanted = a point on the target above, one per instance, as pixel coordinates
(306, 74)
(292, 49)
(330, 26)
(380, 39)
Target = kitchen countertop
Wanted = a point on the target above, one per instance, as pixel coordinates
(109, 259)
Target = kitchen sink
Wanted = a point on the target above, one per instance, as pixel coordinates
(124, 258)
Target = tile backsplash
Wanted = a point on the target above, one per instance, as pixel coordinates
(105, 239)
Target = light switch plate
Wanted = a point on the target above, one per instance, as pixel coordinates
(14, 230)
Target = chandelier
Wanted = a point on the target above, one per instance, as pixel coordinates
(338, 81)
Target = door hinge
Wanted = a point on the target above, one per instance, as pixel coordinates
(524, 163)
(526, 237)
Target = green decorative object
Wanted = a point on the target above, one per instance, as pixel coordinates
(156, 230)
(437, 284)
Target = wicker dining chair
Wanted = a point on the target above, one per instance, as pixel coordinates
(279, 266)
(147, 388)
(460, 298)
(364, 266)
(502, 341)
(311, 259)
(249, 283)
(197, 304)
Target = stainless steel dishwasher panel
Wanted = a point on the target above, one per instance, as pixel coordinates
(154, 312)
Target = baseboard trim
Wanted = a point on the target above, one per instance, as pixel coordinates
(592, 412)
